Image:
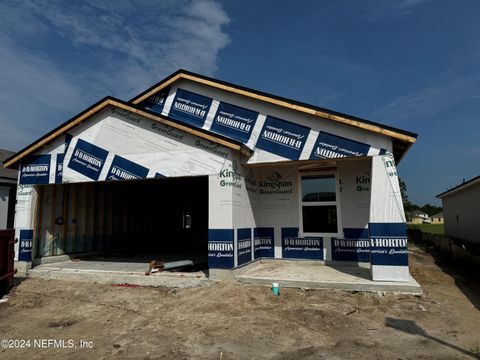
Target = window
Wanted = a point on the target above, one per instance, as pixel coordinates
(319, 204)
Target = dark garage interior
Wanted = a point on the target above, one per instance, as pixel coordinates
(157, 219)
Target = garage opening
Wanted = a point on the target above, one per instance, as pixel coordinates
(125, 221)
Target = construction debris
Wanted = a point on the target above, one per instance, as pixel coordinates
(157, 266)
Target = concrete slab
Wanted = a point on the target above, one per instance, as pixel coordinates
(117, 272)
(320, 276)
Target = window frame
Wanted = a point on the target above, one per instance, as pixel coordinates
(336, 203)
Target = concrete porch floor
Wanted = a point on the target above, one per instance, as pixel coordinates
(317, 275)
(288, 273)
(116, 271)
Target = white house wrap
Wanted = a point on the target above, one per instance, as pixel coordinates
(198, 167)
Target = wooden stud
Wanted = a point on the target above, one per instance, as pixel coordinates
(83, 211)
(64, 215)
(101, 216)
(157, 89)
(317, 169)
(53, 210)
(40, 219)
(37, 219)
(74, 217)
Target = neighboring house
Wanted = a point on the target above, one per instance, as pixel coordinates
(234, 175)
(418, 217)
(8, 190)
(461, 209)
(437, 218)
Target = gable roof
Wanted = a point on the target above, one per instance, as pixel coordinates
(402, 140)
(62, 129)
(462, 186)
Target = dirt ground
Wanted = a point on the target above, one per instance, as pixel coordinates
(234, 321)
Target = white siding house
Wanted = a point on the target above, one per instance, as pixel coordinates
(460, 210)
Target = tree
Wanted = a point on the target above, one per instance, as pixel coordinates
(431, 209)
(407, 206)
(403, 190)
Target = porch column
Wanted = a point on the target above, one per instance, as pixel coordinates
(387, 226)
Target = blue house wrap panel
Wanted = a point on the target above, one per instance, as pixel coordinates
(263, 242)
(156, 102)
(295, 247)
(282, 138)
(190, 108)
(124, 169)
(388, 244)
(234, 122)
(59, 168)
(354, 247)
(220, 248)
(330, 146)
(35, 170)
(25, 245)
(88, 159)
(244, 246)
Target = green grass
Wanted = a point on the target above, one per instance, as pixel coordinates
(429, 228)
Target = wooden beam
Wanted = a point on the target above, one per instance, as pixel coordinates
(156, 89)
(175, 125)
(323, 162)
(304, 109)
(286, 104)
(58, 133)
(108, 102)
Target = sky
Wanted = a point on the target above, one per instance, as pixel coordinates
(411, 64)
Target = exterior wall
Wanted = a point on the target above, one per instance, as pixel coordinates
(387, 223)
(436, 220)
(8, 192)
(277, 206)
(221, 235)
(266, 214)
(91, 152)
(254, 207)
(4, 201)
(464, 204)
(355, 193)
(24, 222)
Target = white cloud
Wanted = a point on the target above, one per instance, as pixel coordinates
(57, 57)
(380, 10)
(438, 95)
